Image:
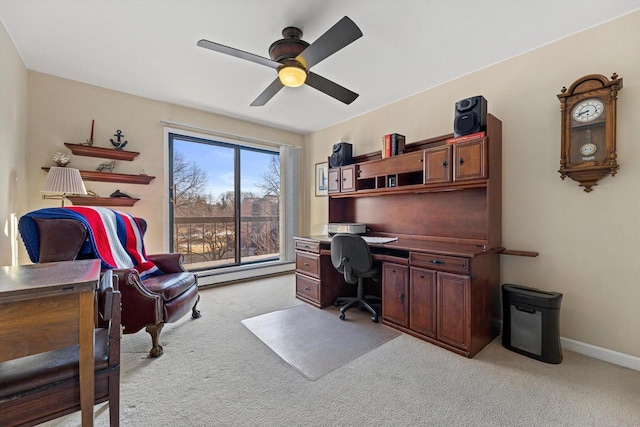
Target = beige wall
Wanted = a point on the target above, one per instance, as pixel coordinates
(589, 243)
(61, 111)
(13, 130)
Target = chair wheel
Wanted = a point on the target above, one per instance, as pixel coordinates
(375, 318)
(336, 304)
(341, 316)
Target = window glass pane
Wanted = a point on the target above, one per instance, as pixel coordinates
(259, 205)
(204, 204)
(226, 208)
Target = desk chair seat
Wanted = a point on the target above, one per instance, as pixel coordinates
(351, 256)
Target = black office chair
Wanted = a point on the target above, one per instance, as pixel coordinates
(351, 256)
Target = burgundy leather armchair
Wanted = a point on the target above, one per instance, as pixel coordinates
(148, 303)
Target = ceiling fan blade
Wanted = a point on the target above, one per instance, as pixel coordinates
(238, 53)
(268, 93)
(344, 32)
(330, 88)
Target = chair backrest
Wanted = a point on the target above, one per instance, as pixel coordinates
(142, 224)
(62, 239)
(104, 298)
(350, 255)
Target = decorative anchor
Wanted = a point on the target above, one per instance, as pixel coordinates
(118, 144)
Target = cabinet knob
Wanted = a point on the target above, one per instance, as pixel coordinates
(461, 161)
(444, 164)
(401, 297)
(306, 264)
(307, 288)
(437, 261)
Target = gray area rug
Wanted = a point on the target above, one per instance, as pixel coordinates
(316, 342)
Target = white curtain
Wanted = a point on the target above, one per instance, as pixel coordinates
(289, 200)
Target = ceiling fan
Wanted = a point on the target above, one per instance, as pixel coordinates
(293, 58)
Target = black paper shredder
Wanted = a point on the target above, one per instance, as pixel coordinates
(531, 322)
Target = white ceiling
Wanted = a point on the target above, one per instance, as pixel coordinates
(148, 47)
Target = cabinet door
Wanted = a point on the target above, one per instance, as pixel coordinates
(404, 163)
(470, 160)
(437, 164)
(454, 310)
(333, 184)
(348, 174)
(371, 169)
(422, 301)
(395, 295)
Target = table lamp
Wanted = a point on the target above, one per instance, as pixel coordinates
(62, 181)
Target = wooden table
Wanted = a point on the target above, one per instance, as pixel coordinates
(49, 306)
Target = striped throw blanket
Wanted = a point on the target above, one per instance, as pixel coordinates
(115, 237)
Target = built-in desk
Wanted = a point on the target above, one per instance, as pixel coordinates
(437, 291)
(442, 198)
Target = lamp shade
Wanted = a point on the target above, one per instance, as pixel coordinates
(64, 181)
(292, 75)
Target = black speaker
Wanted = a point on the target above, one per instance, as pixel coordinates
(341, 155)
(470, 116)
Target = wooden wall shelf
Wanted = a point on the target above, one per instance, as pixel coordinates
(102, 201)
(113, 177)
(104, 153)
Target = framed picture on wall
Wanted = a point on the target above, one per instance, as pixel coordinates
(321, 179)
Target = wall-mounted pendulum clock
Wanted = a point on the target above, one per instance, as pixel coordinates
(588, 139)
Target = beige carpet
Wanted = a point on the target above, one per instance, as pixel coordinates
(316, 342)
(216, 373)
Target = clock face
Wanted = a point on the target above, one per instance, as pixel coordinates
(588, 110)
(588, 149)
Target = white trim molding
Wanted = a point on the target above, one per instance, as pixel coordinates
(222, 277)
(611, 356)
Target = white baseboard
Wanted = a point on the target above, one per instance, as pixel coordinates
(601, 353)
(248, 272)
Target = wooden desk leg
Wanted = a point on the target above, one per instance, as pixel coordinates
(86, 362)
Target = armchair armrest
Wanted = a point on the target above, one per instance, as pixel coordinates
(168, 263)
(140, 307)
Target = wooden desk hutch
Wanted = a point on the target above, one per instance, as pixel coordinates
(440, 279)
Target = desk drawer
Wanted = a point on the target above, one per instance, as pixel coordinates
(307, 245)
(308, 263)
(440, 262)
(307, 287)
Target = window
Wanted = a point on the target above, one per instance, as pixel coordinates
(225, 202)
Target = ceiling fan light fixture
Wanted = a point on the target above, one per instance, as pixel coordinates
(292, 75)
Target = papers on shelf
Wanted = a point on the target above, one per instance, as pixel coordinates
(372, 239)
